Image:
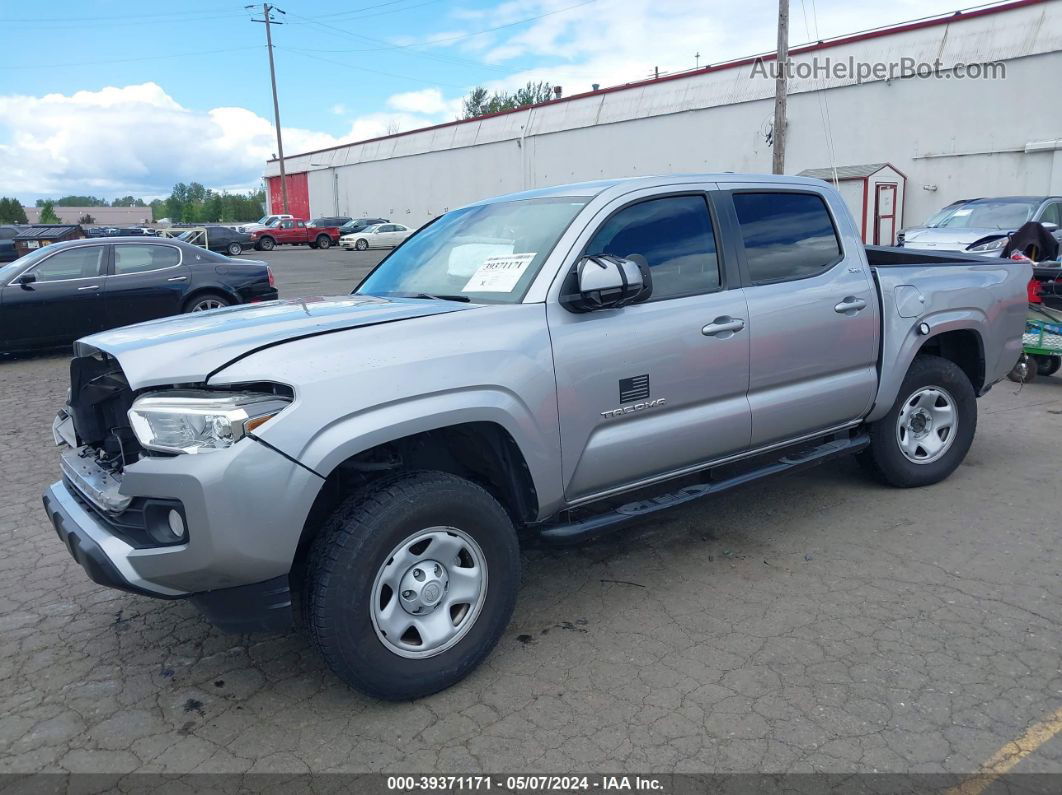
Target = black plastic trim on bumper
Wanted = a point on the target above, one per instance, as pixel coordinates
(88, 553)
(259, 607)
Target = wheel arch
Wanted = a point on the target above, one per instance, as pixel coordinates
(482, 451)
(208, 289)
(957, 336)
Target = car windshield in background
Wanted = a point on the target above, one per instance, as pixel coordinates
(989, 214)
(487, 253)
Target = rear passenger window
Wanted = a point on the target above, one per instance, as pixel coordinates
(786, 235)
(134, 258)
(673, 236)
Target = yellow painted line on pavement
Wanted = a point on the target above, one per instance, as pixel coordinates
(1003, 760)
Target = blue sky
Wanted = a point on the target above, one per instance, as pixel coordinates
(112, 97)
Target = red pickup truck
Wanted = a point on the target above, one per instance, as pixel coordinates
(291, 231)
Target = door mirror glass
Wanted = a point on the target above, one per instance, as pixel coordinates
(603, 281)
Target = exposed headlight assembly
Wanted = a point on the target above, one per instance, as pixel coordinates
(198, 421)
(991, 245)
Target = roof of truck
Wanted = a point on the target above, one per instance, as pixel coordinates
(597, 187)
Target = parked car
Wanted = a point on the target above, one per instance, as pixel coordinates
(60, 292)
(377, 236)
(7, 243)
(338, 220)
(519, 363)
(357, 224)
(265, 221)
(983, 226)
(293, 232)
(223, 239)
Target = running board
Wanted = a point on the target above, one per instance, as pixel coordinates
(578, 531)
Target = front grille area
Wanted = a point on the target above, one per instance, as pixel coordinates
(100, 398)
(133, 525)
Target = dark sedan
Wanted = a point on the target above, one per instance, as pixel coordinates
(223, 239)
(64, 291)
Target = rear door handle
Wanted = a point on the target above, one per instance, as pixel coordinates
(850, 305)
(89, 287)
(723, 325)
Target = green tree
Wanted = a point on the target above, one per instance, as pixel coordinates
(80, 201)
(48, 215)
(480, 103)
(128, 201)
(11, 212)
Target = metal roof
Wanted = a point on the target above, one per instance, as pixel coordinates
(45, 231)
(844, 172)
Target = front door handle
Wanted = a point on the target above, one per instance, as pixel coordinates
(850, 305)
(89, 287)
(177, 278)
(723, 325)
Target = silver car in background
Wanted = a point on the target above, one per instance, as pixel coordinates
(983, 226)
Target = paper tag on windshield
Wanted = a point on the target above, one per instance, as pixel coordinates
(499, 274)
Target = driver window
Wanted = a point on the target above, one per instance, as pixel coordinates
(84, 262)
(673, 236)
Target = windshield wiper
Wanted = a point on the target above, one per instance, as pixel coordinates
(464, 299)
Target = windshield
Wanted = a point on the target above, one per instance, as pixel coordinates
(487, 253)
(988, 214)
(7, 271)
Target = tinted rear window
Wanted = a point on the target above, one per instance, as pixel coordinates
(786, 235)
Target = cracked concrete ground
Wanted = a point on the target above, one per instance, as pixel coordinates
(819, 622)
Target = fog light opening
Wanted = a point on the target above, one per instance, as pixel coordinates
(176, 524)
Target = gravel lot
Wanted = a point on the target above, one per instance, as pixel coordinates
(819, 622)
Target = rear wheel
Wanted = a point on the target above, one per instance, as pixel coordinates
(207, 301)
(929, 430)
(411, 583)
(361, 244)
(1024, 371)
(1047, 365)
(324, 241)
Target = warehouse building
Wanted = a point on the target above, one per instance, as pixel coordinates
(908, 118)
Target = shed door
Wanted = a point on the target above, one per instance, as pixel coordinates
(885, 214)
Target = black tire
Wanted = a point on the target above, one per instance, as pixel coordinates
(361, 244)
(1024, 370)
(201, 302)
(886, 459)
(353, 548)
(266, 244)
(235, 249)
(1047, 365)
(324, 241)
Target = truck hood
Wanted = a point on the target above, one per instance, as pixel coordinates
(944, 238)
(187, 349)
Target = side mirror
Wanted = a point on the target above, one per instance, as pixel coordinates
(602, 281)
(1050, 227)
(27, 279)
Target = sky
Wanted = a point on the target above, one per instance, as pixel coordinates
(114, 97)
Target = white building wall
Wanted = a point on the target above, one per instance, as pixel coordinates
(965, 137)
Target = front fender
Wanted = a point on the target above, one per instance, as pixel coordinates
(352, 434)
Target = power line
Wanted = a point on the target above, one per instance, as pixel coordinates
(371, 71)
(127, 60)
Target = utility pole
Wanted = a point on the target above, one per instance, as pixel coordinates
(782, 62)
(267, 18)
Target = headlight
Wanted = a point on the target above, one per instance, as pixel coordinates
(192, 421)
(991, 245)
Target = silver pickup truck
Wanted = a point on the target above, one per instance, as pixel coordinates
(547, 365)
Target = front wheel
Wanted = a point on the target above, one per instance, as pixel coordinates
(267, 244)
(235, 249)
(361, 244)
(411, 583)
(929, 430)
(1047, 365)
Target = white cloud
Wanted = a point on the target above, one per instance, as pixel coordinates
(428, 101)
(339, 109)
(133, 139)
